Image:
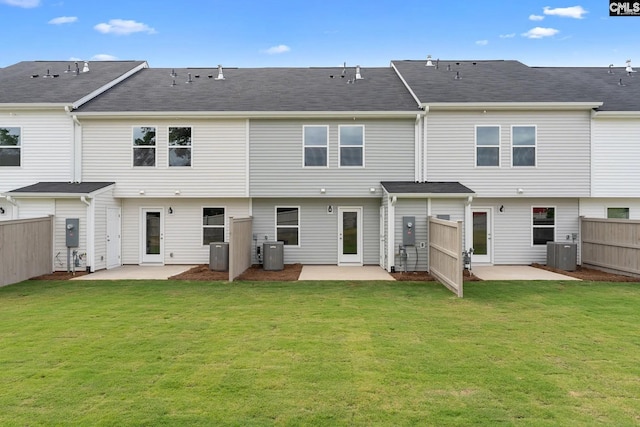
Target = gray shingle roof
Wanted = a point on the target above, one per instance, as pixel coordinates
(79, 188)
(411, 187)
(17, 86)
(488, 81)
(257, 90)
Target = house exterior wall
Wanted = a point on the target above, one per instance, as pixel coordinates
(219, 165)
(46, 141)
(70, 208)
(182, 229)
(615, 157)
(512, 228)
(562, 149)
(597, 207)
(318, 228)
(276, 158)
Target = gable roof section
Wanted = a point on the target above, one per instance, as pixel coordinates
(425, 189)
(457, 82)
(25, 83)
(257, 90)
(60, 188)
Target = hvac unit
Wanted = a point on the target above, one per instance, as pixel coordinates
(562, 256)
(273, 256)
(219, 256)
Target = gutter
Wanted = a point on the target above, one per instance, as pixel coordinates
(616, 115)
(247, 114)
(511, 106)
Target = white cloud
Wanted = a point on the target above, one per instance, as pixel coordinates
(536, 17)
(275, 50)
(539, 32)
(507, 36)
(123, 27)
(482, 42)
(576, 12)
(63, 20)
(27, 4)
(104, 57)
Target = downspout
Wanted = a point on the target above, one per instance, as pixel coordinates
(424, 144)
(418, 151)
(14, 208)
(90, 234)
(468, 224)
(391, 243)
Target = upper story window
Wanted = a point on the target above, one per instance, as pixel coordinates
(315, 145)
(523, 142)
(618, 213)
(179, 146)
(144, 146)
(351, 140)
(10, 146)
(543, 225)
(487, 145)
(288, 225)
(212, 225)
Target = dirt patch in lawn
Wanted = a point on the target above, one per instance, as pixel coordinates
(60, 275)
(590, 274)
(424, 276)
(291, 272)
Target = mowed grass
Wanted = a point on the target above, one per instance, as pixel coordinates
(319, 353)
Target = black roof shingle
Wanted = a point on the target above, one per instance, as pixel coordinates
(79, 188)
(411, 187)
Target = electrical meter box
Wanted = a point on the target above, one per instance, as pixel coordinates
(408, 230)
(72, 232)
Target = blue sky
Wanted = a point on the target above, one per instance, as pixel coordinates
(280, 33)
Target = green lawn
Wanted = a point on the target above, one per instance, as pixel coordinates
(319, 353)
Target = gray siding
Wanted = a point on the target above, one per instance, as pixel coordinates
(562, 147)
(417, 208)
(318, 229)
(276, 159)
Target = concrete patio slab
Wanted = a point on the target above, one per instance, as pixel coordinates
(516, 272)
(333, 272)
(137, 272)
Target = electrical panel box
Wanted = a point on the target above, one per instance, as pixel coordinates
(408, 230)
(72, 232)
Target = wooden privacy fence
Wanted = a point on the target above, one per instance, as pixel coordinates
(445, 253)
(26, 249)
(611, 244)
(240, 240)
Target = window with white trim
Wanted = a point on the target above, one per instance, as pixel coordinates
(523, 145)
(487, 145)
(179, 146)
(213, 221)
(144, 146)
(351, 142)
(618, 213)
(543, 221)
(288, 225)
(315, 142)
(10, 146)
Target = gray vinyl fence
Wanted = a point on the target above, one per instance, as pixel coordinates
(26, 249)
(612, 245)
(240, 240)
(445, 253)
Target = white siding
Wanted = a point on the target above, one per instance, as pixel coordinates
(318, 228)
(102, 202)
(34, 208)
(46, 148)
(616, 158)
(218, 162)
(277, 159)
(69, 208)
(512, 228)
(597, 207)
(562, 147)
(182, 229)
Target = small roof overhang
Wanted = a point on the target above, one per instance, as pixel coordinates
(60, 189)
(411, 189)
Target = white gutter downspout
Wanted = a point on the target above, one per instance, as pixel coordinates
(424, 144)
(14, 207)
(418, 151)
(391, 220)
(76, 154)
(468, 224)
(90, 233)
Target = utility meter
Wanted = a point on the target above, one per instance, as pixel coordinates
(72, 232)
(408, 232)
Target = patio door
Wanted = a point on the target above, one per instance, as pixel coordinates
(349, 236)
(113, 237)
(152, 236)
(482, 231)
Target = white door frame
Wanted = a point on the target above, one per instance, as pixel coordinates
(350, 259)
(488, 258)
(114, 240)
(382, 239)
(151, 258)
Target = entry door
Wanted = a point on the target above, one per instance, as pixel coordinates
(113, 237)
(152, 236)
(482, 235)
(350, 236)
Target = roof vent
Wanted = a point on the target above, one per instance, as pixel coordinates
(429, 63)
(458, 77)
(173, 73)
(85, 69)
(448, 67)
(77, 69)
(220, 75)
(48, 75)
(629, 69)
(189, 80)
(358, 75)
(33, 76)
(68, 70)
(620, 83)
(173, 83)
